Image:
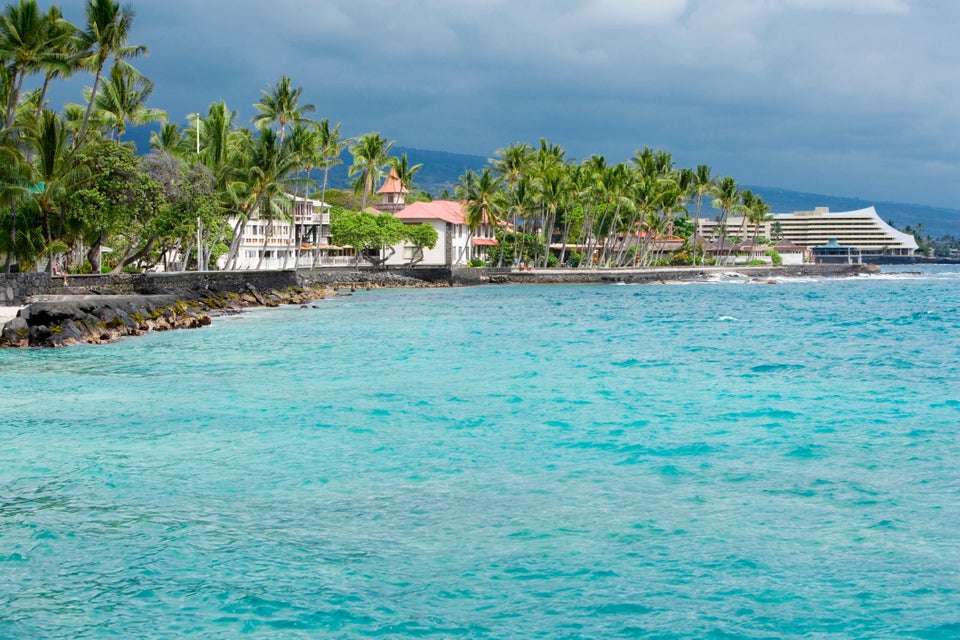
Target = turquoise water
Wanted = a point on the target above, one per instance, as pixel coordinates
(719, 460)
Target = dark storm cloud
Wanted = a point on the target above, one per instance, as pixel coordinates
(853, 97)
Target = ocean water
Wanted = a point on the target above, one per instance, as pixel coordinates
(713, 460)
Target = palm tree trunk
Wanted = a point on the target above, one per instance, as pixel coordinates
(43, 93)
(186, 254)
(238, 232)
(93, 95)
(13, 98)
(13, 237)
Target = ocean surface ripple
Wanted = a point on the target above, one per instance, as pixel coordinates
(706, 461)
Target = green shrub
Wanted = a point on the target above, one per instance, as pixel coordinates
(775, 258)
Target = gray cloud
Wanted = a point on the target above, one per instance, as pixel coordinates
(852, 97)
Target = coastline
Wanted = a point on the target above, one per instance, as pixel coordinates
(97, 315)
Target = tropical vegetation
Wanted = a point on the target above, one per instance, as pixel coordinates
(72, 187)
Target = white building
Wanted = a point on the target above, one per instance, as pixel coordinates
(301, 239)
(862, 229)
(455, 247)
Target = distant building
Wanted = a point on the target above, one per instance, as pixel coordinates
(862, 229)
(298, 240)
(456, 246)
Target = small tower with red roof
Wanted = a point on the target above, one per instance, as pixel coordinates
(392, 193)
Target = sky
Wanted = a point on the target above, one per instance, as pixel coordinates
(857, 98)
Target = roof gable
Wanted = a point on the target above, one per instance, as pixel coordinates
(392, 184)
(446, 210)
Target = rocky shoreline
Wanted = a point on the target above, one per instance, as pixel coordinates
(96, 319)
(90, 316)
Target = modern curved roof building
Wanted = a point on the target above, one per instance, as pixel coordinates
(862, 229)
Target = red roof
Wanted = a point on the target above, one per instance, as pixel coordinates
(392, 184)
(445, 210)
(490, 242)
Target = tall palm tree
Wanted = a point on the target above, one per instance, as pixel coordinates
(59, 170)
(23, 41)
(281, 104)
(519, 201)
(15, 173)
(727, 199)
(370, 155)
(552, 186)
(304, 147)
(216, 130)
(703, 184)
(757, 212)
(171, 139)
(619, 185)
(482, 201)
(262, 176)
(513, 162)
(331, 146)
(513, 166)
(105, 37)
(62, 58)
(124, 98)
(405, 172)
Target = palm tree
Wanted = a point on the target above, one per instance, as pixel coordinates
(703, 184)
(482, 201)
(62, 58)
(15, 173)
(304, 147)
(618, 187)
(757, 212)
(548, 171)
(281, 104)
(105, 37)
(519, 201)
(514, 162)
(59, 170)
(171, 139)
(404, 171)
(331, 147)
(552, 187)
(22, 44)
(370, 155)
(262, 176)
(727, 200)
(124, 99)
(216, 130)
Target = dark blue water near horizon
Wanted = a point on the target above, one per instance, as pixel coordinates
(712, 460)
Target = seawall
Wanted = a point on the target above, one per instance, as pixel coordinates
(104, 308)
(17, 289)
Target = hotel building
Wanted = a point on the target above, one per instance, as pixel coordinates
(862, 229)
